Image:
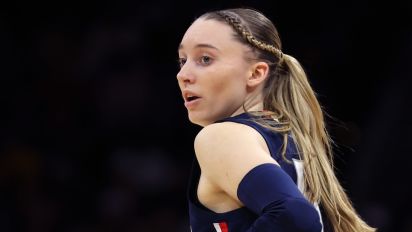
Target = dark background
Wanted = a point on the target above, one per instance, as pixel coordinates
(94, 135)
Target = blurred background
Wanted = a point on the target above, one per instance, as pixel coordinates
(94, 135)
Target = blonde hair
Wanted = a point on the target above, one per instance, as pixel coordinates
(292, 101)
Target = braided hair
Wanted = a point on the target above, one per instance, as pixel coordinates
(236, 23)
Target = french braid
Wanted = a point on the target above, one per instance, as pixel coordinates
(236, 23)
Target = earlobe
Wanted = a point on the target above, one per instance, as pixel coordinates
(259, 73)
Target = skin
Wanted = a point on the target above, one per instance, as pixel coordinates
(214, 67)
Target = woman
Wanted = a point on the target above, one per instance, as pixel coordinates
(263, 157)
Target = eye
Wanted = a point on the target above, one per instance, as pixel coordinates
(181, 62)
(205, 60)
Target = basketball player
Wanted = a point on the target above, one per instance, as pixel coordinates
(263, 156)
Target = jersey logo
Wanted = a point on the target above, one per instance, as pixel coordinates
(221, 227)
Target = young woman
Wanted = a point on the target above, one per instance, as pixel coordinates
(263, 157)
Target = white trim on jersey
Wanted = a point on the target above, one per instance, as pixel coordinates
(217, 227)
(301, 184)
(299, 173)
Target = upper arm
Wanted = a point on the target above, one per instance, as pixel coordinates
(227, 152)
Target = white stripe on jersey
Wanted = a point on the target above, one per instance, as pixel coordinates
(301, 184)
(217, 227)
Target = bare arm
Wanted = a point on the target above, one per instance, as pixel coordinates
(234, 158)
(227, 151)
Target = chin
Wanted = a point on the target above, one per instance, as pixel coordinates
(201, 121)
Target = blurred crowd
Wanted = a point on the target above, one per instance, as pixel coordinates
(94, 136)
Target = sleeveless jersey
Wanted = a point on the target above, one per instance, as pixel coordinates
(203, 219)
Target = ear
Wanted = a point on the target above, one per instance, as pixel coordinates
(259, 73)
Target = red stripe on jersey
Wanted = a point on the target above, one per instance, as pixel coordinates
(223, 227)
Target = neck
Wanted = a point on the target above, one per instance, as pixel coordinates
(251, 103)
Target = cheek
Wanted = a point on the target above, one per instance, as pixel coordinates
(220, 82)
(228, 87)
(225, 82)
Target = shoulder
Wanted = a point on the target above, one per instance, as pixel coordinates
(226, 136)
(230, 149)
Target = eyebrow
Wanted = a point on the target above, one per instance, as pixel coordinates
(200, 46)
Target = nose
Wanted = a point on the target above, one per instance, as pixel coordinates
(185, 75)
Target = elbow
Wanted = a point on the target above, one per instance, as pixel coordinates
(299, 215)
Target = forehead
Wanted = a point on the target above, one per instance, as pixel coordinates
(212, 32)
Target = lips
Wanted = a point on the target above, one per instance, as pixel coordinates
(189, 96)
(191, 99)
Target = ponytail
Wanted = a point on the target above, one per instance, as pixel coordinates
(290, 95)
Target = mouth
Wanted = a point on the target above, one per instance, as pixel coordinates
(191, 98)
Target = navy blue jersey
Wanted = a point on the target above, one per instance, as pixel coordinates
(203, 219)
